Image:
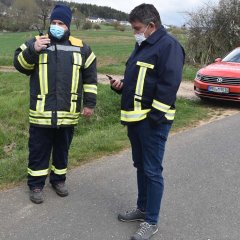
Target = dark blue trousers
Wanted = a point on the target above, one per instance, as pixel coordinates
(42, 143)
(148, 146)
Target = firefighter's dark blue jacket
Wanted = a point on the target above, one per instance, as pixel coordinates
(151, 80)
(59, 77)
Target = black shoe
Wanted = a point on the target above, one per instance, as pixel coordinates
(61, 189)
(132, 216)
(36, 195)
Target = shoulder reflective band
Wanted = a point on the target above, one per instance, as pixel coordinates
(75, 41)
(133, 116)
(77, 62)
(170, 114)
(140, 82)
(91, 88)
(23, 46)
(59, 171)
(23, 62)
(89, 60)
(160, 106)
(38, 173)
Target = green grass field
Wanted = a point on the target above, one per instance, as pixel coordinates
(111, 47)
(93, 138)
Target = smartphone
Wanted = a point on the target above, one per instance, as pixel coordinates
(109, 77)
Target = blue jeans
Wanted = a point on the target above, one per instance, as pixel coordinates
(148, 145)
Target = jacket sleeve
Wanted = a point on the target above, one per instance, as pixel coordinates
(89, 74)
(26, 57)
(169, 69)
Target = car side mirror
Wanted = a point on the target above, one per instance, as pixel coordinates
(218, 60)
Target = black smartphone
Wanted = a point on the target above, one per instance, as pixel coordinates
(109, 77)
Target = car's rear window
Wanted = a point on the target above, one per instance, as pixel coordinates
(233, 56)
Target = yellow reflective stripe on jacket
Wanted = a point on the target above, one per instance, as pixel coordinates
(146, 65)
(77, 62)
(92, 88)
(74, 98)
(23, 47)
(65, 121)
(59, 171)
(46, 114)
(23, 62)
(160, 106)
(38, 173)
(170, 114)
(62, 114)
(40, 121)
(43, 76)
(133, 116)
(89, 60)
(140, 83)
(40, 103)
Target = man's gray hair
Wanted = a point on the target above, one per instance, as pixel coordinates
(145, 13)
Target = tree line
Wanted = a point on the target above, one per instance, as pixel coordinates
(23, 15)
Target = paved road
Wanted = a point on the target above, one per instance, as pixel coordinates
(201, 201)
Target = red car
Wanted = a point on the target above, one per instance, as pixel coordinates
(220, 80)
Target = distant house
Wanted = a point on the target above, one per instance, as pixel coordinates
(95, 19)
(125, 23)
(110, 20)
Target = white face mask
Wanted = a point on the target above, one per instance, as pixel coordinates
(140, 37)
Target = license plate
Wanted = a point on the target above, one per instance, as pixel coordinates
(218, 89)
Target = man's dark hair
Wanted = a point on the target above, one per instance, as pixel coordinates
(145, 13)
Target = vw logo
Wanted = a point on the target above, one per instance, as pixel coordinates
(219, 80)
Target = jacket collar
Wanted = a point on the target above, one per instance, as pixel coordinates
(159, 33)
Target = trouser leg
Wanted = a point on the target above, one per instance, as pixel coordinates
(138, 163)
(153, 143)
(62, 141)
(40, 147)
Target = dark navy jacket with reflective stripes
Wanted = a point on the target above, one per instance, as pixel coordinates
(59, 76)
(151, 80)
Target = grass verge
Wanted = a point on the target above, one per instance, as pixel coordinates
(93, 138)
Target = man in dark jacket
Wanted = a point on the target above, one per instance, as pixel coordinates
(151, 80)
(62, 70)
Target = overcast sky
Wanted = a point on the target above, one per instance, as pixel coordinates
(171, 11)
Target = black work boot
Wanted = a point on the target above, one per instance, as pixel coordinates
(61, 189)
(36, 195)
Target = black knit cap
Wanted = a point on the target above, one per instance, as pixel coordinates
(63, 13)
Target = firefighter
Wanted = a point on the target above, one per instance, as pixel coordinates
(151, 80)
(62, 71)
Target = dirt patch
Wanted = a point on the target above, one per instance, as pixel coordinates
(7, 69)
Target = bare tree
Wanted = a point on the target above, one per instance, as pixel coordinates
(213, 31)
(78, 18)
(45, 7)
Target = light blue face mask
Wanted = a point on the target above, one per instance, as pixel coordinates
(57, 31)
